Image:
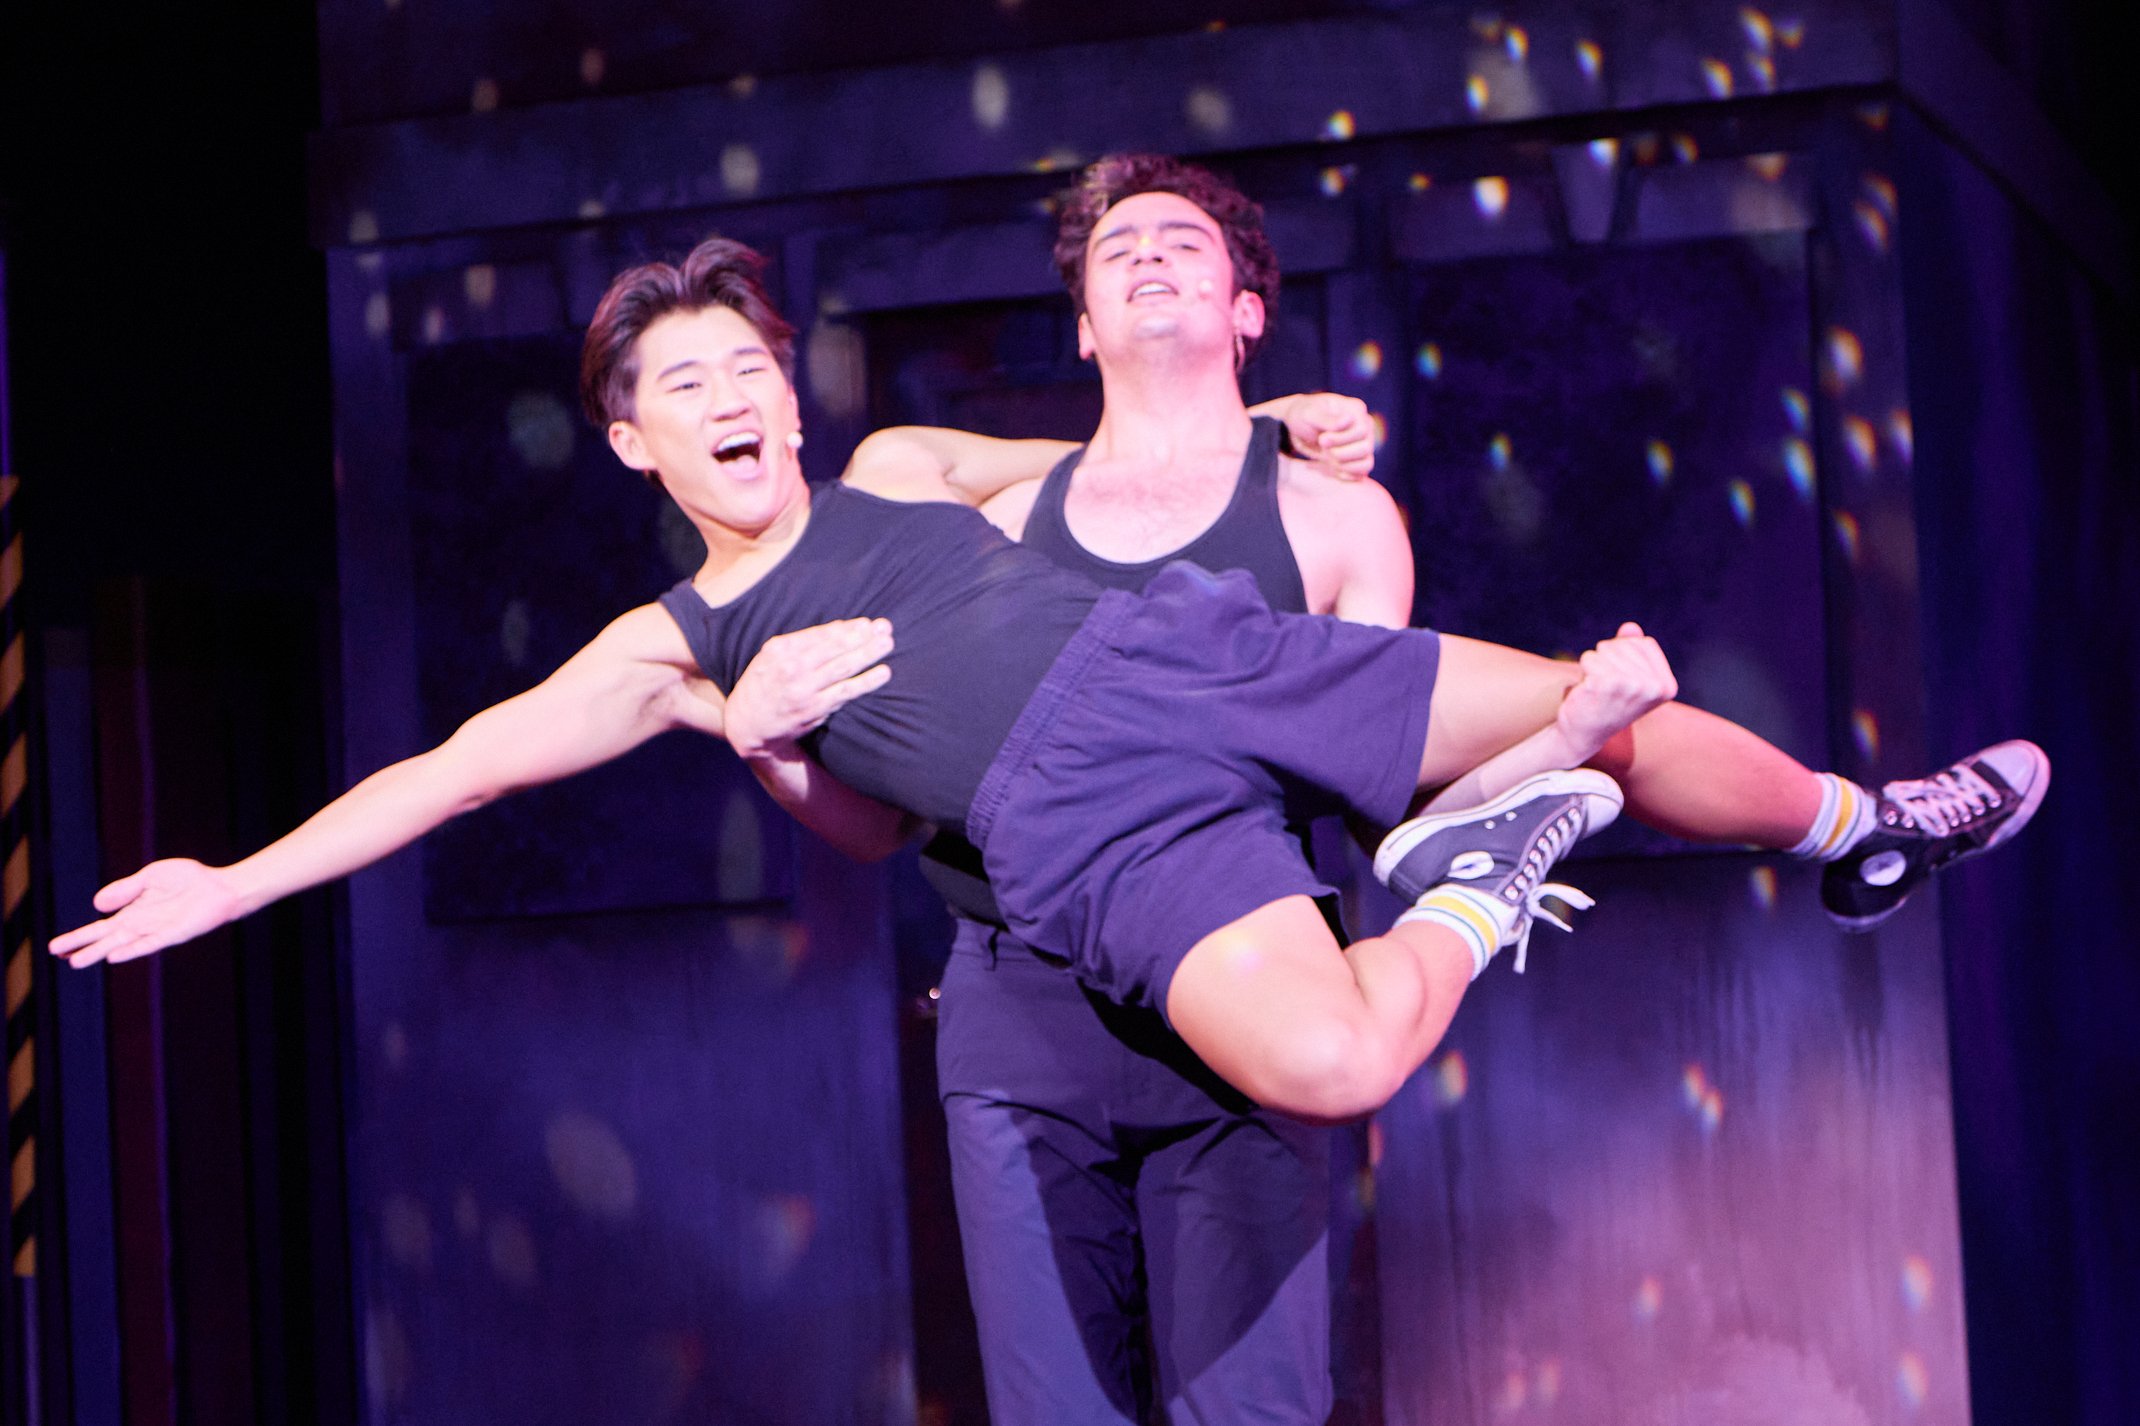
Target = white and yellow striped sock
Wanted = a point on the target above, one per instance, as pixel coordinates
(1483, 922)
(1846, 815)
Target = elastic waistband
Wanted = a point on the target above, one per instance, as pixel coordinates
(1040, 711)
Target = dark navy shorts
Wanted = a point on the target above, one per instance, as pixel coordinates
(1142, 798)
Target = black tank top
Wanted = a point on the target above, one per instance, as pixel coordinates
(1248, 535)
(976, 621)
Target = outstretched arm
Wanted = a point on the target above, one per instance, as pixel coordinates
(933, 463)
(1622, 679)
(619, 691)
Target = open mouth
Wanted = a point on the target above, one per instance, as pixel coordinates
(1147, 289)
(743, 445)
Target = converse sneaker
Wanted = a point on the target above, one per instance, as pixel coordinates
(1922, 826)
(1502, 850)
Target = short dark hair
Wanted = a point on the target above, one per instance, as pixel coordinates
(720, 272)
(1120, 176)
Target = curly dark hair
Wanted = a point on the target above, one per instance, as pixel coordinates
(1120, 176)
(720, 272)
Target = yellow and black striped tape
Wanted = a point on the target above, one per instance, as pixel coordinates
(15, 896)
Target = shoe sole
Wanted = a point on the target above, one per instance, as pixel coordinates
(1601, 792)
(2030, 801)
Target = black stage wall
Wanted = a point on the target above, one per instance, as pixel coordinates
(1805, 338)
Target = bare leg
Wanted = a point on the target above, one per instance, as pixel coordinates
(1684, 771)
(1280, 1012)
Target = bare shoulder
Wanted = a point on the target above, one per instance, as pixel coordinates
(897, 463)
(1325, 503)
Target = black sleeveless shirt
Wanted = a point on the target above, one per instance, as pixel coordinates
(976, 622)
(1248, 535)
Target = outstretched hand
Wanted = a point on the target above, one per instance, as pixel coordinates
(164, 904)
(798, 680)
(1623, 678)
(1335, 432)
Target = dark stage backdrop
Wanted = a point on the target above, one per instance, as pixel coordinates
(1794, 335)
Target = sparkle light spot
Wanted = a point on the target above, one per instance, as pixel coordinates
(1846, 534)
(1768, 167)
(1716, 78)
(1693, 1084)
(1873, 116)
(1589, 59)
(1711, 1113)
(739, 170)
(1859, 440)
(743, 86)
(1604, 152)
(1865, 732)
(1685, 149)
(1427, 361)
(1659, 457)
(364, 226)
(1797, 409)
(541, 429)
(516, 627)
(1375, 1143)
(591, 1165)
(1380, 424)
(479, 283)
(1339, 125)
(1645, 148)
(1498, 451)
(785, 1224)
(1336, 179)
(378, 314)
(1902, 433)
(1055, 160)
(1452, 1079)
(1791, 32)
(1872, 223)
(1846, 358)
(1209, 110)
(592, 208)
(1798, 465)
(593, 66)
(1517, 42)
(1916, 1283)
(1762, 883)
(1545, 1382)
(1367, 361)
(1419, 183)
(1760, 32)
(1649, 1299)
(1763, 70)
(1912, 1383)
(1514, 1391)
(1476, 93)
(1490, 196)
(434, 326)
(483, 98)
(991, 97)
(1880, 189)
(1742, 503)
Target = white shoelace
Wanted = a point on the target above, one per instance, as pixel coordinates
(1530, 894)
(1946, 802)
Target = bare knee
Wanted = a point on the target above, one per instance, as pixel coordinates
(1328, 1069)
